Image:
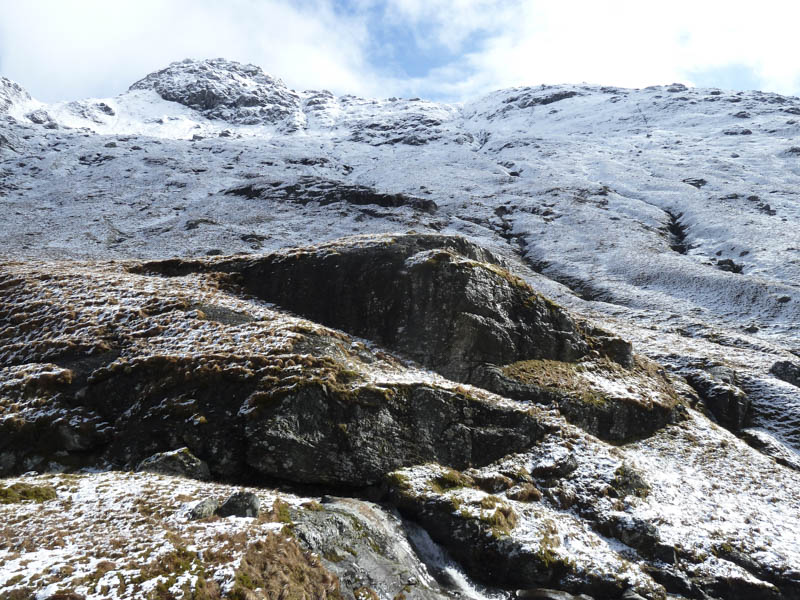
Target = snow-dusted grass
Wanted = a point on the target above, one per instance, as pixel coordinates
(120, 535)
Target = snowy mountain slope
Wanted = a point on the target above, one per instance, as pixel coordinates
(669, 215)
(667, 199)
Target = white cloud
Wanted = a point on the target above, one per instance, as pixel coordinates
(64, 49)
(630, 43)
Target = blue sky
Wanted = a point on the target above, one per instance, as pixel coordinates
(444, 50)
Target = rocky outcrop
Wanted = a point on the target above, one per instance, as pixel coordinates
(398, 290)
(263, 394)
(179, 462)
(481, 324)
(11, 93)
(716, 385)
(234, 361)
(787, 371)
(240, 504)
(326, 191)
(226, 90)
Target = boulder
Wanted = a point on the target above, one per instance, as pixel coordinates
(787, 371)
(179, 462)
(204, 509)
(240, 504)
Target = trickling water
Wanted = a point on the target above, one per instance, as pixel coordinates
(446, 571)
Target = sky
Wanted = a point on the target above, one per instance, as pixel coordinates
(452, 50)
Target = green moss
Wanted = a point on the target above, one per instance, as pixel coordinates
(450, 479)
(554, 376)
(280, 509)
(21, 492)
(399, 481)
(628, 480)
(332, 556)
(499, 516)
(547, 553)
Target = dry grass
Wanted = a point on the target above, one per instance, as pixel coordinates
(278, 569)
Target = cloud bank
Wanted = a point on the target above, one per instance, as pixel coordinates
(451, 50)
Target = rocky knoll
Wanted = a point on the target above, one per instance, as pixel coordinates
(415, 370)
(480, 323)
(226, 90)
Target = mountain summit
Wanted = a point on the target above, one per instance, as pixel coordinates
(222, 89)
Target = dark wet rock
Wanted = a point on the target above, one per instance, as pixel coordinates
(179, 462)
(95, 159)
(677, 87)
(327, 191)
(548, 594)
(695, 182)
(767, 444)
(737, 131)
(726, 264)
(723, 398)
(204, 509)
(787, 371)
(636, 533)
(398, 290)
(240, 504)
(105, 108)
(533, 97)
(225, 90)
(343, 528)
(308, 435)
(605, 415)
(486, 545)
(678, 233)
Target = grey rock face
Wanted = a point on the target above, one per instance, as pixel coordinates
(240, 504)
(343, 527)
(399, 290)
(39, 116)
(179, 462)
(723, 398)
(787, 371)
(10, 93)
(226, 90)
(312, 436)
(324, 191)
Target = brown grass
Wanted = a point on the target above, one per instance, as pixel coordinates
(277, 568)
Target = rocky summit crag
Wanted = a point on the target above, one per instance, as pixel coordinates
(260, 343)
